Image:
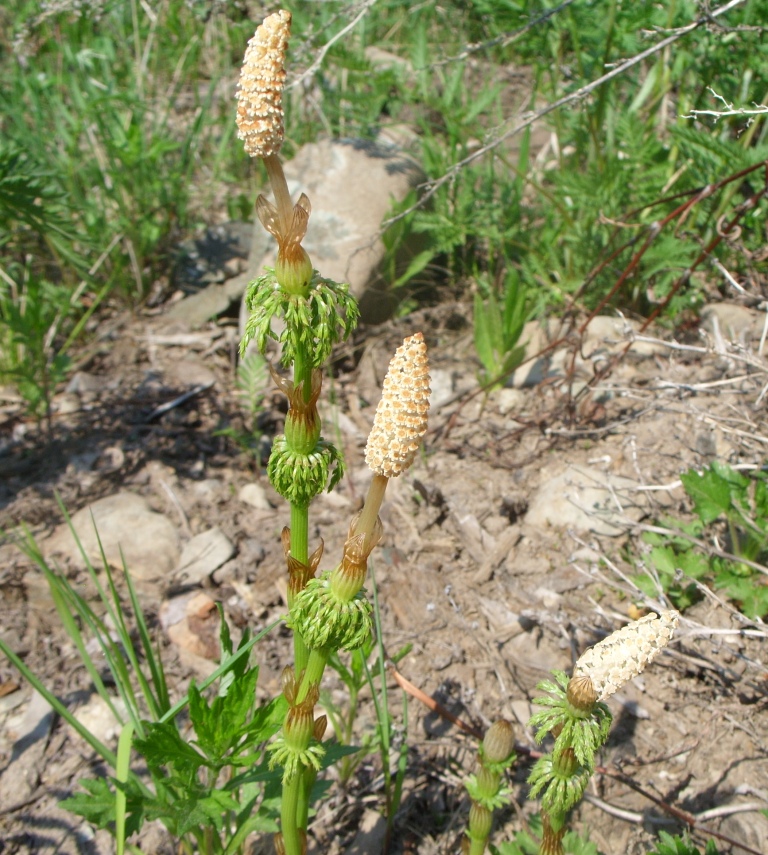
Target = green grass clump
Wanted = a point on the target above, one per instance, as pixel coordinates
(117, 141)
(108, 112)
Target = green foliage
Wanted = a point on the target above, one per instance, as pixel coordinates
(528, 844)
(104, 124)
(36, 314)
(192, 794)
(118, 135)
(354, 676)
(732, 506)
(97, 804)
(33, 357)
(251, 383)
(100, 96)
(216, 782)
(669, 845)
(498, 327)
(584, 732)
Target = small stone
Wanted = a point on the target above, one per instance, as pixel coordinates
(203, 554)
(732, 322)
(509, 400)
(371, 833)
(227, 572)
(503, 623)
(21, 777)
(585, 499)
(751, 829)
(67, 403)
(529, 650)
(549, 599)
(83, 383)
(99, 720)
(255, 496)
(191, 622)
(441, 383)
(127, 527)
(188, 373)
(36, 722)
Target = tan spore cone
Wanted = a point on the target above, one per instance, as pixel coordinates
(606, 667)
(260, 91)
(401, 417)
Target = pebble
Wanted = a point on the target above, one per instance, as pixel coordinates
(255, 496)
(99, 720)
(203, 554)
(127, 526)
(583, 498)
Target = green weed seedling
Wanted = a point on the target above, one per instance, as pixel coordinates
(725, 545)
(528, 842)
(669, 845)
(31, 356)
(251, 384)
(499, 325)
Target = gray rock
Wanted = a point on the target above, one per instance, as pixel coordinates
(191, 622)
(126, 526)
(21, 776)
(751, 828)
(371, 833)
(99, 720)
(535, 650)
(184, 373)
(733, 322)
(35, 723)
(203, 554)
(503, 623)
(67, 403)
(509, 400)
(211, 302)
(441, 384)
(604, 336)
(83, 383)
(584, 499)
(255, 496)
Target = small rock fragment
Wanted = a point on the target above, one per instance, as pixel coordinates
(203, 554)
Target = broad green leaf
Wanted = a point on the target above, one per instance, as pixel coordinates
(664, 560)
(164, 746)
(98, 804)
(483, 344)
(693, 564)
(710, 492)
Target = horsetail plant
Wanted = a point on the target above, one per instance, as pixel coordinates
(486, 788)
(578, 718)
(332, 612)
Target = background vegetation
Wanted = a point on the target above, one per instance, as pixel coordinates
(116, 140)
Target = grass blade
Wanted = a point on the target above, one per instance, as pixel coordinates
(122, 770)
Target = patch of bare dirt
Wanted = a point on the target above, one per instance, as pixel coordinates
(489, 601)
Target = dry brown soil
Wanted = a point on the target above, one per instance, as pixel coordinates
(488, 602)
